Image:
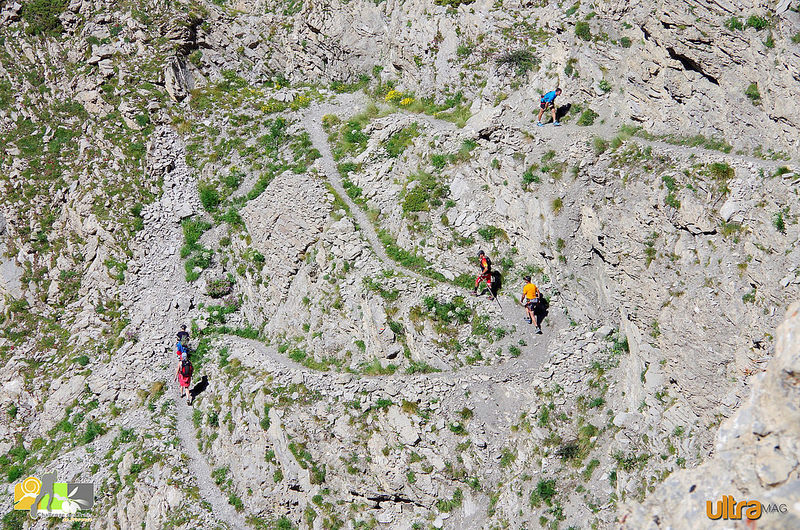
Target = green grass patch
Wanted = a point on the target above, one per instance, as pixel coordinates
(42, 16)
(422, 192)
(544, 492)
(753, 93)
(399, 141)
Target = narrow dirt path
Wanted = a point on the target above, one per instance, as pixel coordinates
(559, 136)
(313, 124)
(511, 312)
(506, 382)
(199, 468)
(159, 280)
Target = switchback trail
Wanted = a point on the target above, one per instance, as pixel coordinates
(313, 124)
(511, 312)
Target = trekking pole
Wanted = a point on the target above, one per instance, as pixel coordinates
(497, 299)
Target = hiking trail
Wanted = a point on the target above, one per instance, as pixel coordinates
(157, 324)
(507, 382)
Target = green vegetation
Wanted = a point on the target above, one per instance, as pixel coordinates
(757, 23)
(650, 249)
(453, 108)
(721, 173)
(599, 145)
(753, 94)
(570, 70)
(465, 49)
(749, 297)
(420, 367)
(453, 3)
(698, 140)
(489, 233)
(544, 491)
(399, 141)
(93, 430)
(625, 42)
(587, 472)
(348, 88)
(350, 139)
(198, 256)
(209, 196)
(42, 16)
(408, 259)
(587, 118)
(236, 502)
(530, 177)
(305, 460)
(444, 314)
(507, 457)
(575, 451)
(730, 229)
(631, 461)
(778, 222)
(520, 61)
(734, 23)
(671, 200)
(583, 31)
(451, 504)
(421, 192)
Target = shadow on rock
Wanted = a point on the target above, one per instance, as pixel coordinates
(200, 387)
(562, 111)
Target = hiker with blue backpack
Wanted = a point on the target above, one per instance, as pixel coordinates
(182, 345)
(548, 101)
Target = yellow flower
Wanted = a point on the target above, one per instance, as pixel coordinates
(406, 101)
(300, 102)
(393, 95)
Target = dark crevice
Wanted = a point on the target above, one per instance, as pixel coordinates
(600, 255)
(691, 64)
(699, 232)
(645, 32)
(379, 497)
(677, 99)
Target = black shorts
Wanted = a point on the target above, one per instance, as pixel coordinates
(544, 105)
(532, 304)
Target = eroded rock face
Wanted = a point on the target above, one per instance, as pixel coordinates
(284, 222)
(756, 455)
(178, 79)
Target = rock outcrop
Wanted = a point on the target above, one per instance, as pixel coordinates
(756, 454)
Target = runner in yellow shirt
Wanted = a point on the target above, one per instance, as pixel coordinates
(531, 297)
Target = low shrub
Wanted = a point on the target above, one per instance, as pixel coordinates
(587, 118)
(583, 31)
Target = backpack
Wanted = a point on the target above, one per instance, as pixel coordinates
(186, 368)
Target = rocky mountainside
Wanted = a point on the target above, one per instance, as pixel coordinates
(306, 186)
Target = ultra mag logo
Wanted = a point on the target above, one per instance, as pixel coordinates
(728, 508)
(46, 496)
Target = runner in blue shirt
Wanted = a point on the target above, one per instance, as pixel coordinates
(548, 101)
